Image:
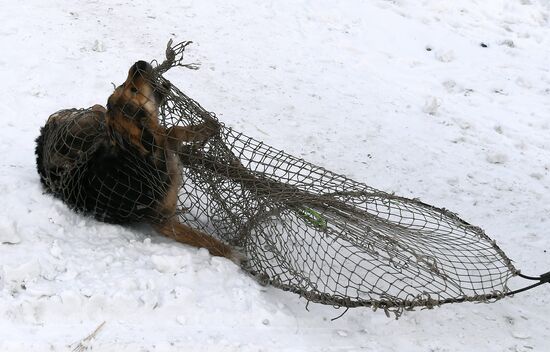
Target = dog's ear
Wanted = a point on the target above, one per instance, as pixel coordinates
(99, 108)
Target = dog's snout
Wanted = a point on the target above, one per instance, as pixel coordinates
(143, 66)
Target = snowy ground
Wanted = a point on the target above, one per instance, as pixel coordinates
(399, 94)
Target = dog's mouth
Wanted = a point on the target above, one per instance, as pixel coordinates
(160, 91)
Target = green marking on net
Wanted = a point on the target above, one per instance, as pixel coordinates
(314, 218)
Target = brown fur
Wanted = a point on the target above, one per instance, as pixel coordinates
(137, 93)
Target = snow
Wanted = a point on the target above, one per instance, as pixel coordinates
(447, 101)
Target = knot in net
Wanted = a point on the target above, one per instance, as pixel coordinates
(301, 227)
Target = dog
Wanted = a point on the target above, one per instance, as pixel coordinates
(120, 164)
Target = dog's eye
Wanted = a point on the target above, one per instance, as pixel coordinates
(134, 90)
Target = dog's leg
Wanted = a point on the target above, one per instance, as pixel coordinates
(185, 234)
(196, 133)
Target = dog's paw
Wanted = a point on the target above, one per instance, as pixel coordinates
(212, 125)
(237, 257)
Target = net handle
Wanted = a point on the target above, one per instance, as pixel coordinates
(542, 279)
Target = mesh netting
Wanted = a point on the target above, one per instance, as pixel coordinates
(298, 226)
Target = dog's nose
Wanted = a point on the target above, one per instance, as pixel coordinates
(143, 66)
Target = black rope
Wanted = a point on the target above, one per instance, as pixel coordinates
(341, 315)
(542, 279)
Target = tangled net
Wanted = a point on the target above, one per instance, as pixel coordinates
(307, 230)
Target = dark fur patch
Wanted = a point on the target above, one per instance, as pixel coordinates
(113, 182)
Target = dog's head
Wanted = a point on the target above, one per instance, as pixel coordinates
(133, 108)
(139, 95)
